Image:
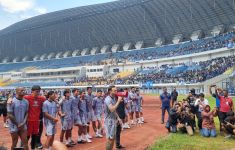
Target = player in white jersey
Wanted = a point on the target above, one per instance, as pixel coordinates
(134, 107)
(91, 116)
(83, 113)
(17, 114)
(50, 111)
(66, 115)
(76, 118)
(139, 105)
(98, 102)
(127, 111)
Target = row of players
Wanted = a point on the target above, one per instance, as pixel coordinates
(76, 109)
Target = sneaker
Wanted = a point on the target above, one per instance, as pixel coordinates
(68, 145)
(88, 136)
(83, 138)
(88, 140)
(98, 135)
(80, 140)
(5, 125)
(40, 146)
(228, 136)
(120, 147)
(127, 126)
(72, 142)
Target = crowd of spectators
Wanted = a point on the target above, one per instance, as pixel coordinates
(205, 70)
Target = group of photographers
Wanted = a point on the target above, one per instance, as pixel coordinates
(183, 114)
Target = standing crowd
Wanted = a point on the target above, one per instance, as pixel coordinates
(108, 113)
(183, 113)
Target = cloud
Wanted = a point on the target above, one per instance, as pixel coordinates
(25, 16)
(14, 6)
(40, 10)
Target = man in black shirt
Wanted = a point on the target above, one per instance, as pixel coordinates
(174, 95)
(121, 113)
(3, 108)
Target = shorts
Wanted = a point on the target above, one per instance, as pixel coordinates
(134, 108)
(13, 128)
(98, 116)
(140, 109)
(91, 116)
(50, 129)
(33, 127)
(222, 116)
(83, 118)
(3, 111)
(66, 124)
(110, 128)
(126, 111)
(77, 120)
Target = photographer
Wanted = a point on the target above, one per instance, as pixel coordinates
(186, 121)
(171, 124)
(191, 100)
(229, 124)
(208, 124)
(121, 113)
(226, 105)
(200, 104)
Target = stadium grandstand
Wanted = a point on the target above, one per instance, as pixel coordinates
(126, 42)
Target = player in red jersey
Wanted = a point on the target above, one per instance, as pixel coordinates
(35, 109)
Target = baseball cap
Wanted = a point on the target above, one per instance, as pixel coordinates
(192, 91)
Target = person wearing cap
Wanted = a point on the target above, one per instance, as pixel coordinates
(200, 104)
(208, 124)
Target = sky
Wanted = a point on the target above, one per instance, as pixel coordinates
(12, 11)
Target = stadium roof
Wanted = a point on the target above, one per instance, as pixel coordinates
(113, 23)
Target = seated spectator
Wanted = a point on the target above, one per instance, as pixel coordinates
(171, 124)
(208, 124)
(186, 121)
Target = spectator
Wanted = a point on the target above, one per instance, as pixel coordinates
(208, 124)
(174, 95)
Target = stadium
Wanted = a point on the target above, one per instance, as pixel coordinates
(147, 44)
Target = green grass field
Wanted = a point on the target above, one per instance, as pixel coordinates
(178, 141)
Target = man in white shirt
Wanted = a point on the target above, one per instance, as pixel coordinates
(200, 104)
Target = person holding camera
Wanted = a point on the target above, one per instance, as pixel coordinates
(171, 124)
(208, 124)
(226, 105)
(229, 124)
(186, 121)
(111, 117)
(191, 100)
(220, 92)
(200, 104)
(121, 114)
